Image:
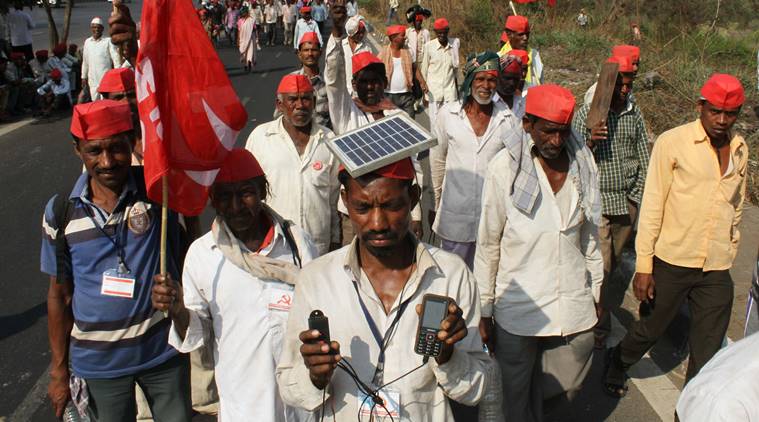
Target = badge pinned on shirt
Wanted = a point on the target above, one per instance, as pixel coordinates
(280, 299)
(138, 218)
(318, 165)
(391, 400)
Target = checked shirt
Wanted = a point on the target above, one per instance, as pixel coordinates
(622, 159)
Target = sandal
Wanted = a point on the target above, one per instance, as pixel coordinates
(615, 377)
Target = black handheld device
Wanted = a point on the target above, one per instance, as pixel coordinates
(317, 321)
(434, 311)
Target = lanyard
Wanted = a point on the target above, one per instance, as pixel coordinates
(380, 339)
(123, 269)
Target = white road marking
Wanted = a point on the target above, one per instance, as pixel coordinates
(13, 126)
(279, 53)
(34, 398)
(264, 75)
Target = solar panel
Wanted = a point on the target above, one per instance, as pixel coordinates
(380, 143)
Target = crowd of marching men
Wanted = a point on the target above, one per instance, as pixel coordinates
(532, 210)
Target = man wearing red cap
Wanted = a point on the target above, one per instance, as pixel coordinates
(40, 67)
(438, 68)
(55, 94)
(688, 231)
(416, 37)
(301, 170)
(517, 30)
(371, 291)
(469, 133)
(21, 83)
(99, 55)
(620, 147)
(398, 65)
(100, 248)
(118, 84)
(538, 264)
(511, 82)
(368, 80)
(309, 52)
(237, 288)
(624, 50)
(304, 25)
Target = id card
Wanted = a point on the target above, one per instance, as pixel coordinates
(391, 400)
(280, 299)
(117, 284)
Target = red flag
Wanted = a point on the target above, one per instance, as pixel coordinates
(189, 111)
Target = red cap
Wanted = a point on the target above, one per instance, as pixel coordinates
(626, 50)
(517, 23)
(100, 119)
(239, 165)
(364, 59)
(56, 74)
(419, 17)
(311, 37)
(117, 80)
(17, 55)
(625, 63)
(551, 102)
(523, 56)
(305, 9)
(723, 91)
(59, 49)
(440, 24)
(504, 37)
(291, 84)
(402, 169)
(395, 30)
(41, 53)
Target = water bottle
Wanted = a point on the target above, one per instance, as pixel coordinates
(492, 402)
(71, 414)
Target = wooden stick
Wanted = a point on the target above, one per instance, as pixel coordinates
(513, 9)
(164, 224)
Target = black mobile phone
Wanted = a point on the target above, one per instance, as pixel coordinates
(434, 311)
(647, 307)
(317, 321)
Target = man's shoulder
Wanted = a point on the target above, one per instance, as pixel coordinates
(322, 269)
(449, 263)
(679, 134)
(264, 129)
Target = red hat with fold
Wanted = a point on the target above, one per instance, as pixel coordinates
(723, 91)
(363, 59)
(41, 53)
(626, 50)
(517, 23)
(15, 55)
(402, 169)
(305, 9)
(551, 102)
(239, 165)
(117, 80)
(59, 49)
(625, 63)
(56, 74)
(311, 37)
(292, 84)
(523, 56)
(101, 119)
(440, 24)
(395, 30)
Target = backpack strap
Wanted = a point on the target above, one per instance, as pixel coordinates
(287, 229)
(62, 211)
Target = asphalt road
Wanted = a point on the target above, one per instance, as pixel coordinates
(38, 161)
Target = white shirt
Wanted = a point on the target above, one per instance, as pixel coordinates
(272, 12)
(289, 13)
(459, 163)
(517, 105)
(98, 57)
(398, 80)
(415, 41)
(63, 88)
(301, 27)
(327, 284)
(438, 68)
(20, 25)
(537, 275)
(725, 390)
(241, 316)
(304, 189)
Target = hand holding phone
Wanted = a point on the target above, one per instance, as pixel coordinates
(449, 329)
(320, 355)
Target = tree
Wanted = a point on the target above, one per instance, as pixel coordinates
(55, 39)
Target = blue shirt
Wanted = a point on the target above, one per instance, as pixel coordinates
(113, 336)
(319, 12)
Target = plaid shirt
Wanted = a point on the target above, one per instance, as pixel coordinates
(622, 160)
(321, 108)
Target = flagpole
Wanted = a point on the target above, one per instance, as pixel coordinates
(513, 9)
(164, 220)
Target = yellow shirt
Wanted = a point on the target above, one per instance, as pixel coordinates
(690, 212)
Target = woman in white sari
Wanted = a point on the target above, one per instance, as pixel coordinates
(247, 39)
